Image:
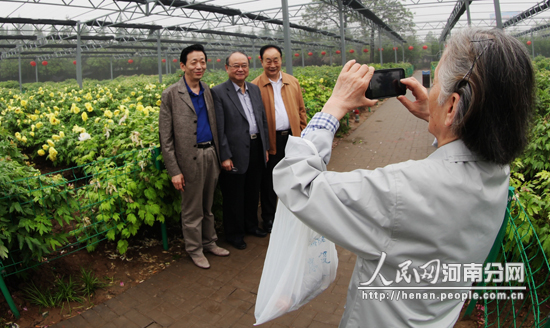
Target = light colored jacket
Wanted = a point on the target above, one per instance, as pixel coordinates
(447, 207)
(294, 104)
(178, 129)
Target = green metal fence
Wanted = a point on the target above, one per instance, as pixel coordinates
(517, 243)
(70, 201)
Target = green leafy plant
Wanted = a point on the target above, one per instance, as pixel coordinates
(40, 297)
(90, 282)
(67, 291)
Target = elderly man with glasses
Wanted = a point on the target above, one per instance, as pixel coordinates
(244, 145)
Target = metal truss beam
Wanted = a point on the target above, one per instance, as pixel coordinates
(535, 10)
(534, 29)
(457, 12)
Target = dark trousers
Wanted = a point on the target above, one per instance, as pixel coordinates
(241, 194)
(268, 195)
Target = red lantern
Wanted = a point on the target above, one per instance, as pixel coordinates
(249, 58)
(528, 43)
(296, 55)
(130, 61)
(175, 60)
(74, 62)
(323, 53)
(44, 63)
(310, 53)
(163, 60)
(209, 60)
(33, 63)
(218, 60)
(351, 51)
(424, 47)
(259, 57)
(365, 50)
(411, 47)
(382, 49)
(338, 52)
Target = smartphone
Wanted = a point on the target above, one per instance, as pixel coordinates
(385, 83)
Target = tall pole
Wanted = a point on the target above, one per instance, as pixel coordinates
(497, 14)
(111, 68)
(342, 32)
(253, 54)
(380, 47)
(533, 45)
(286, 30)
(159, 59)
(167, 62)
(403, 51)
(78, 55)
(395, 52)
(303, 59)
(36, 70)
(20, 77)
(467, 4)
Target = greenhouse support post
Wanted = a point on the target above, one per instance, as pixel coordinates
(403, 51)
(342, 32)
(78, 55)
(36, 70)
(286, 30)
(20, 77)
(159, 57)
(111, 64)
(303, 60)
(395, 51)
(253, 54)
(533, 45)
(167, 62)
(380, 46)
(467, 4)
(498, 16)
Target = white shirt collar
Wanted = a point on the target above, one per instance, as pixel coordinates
(279, 80)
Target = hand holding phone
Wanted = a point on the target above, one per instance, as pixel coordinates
(385, 83)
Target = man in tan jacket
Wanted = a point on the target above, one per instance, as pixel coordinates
(286, 115)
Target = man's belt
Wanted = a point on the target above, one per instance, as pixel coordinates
(284, 132)
(254, 136)
(205, 144)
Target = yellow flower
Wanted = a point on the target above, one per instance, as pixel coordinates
(212, 85)
(56, 137)
(108, 113)
(84, 116)
(33, 117)
(53, 153)
(41, 152)
(133, 93)
(97, 119)
(31, 133)
(51, 95)
(117, 112)
(321, 80)
(50, 143)
(39, 125)
(89, 107)
(159, 102)
(53, 120)
(24, 139)
(45, 147)
(75, 109)
(23, 102)
(146, 111)
(36, 111)
(62, 134)
(139, 107)
(110, 121)
(17, 135)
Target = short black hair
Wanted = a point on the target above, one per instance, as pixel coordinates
(190, 49)
(267, 46)
(235, 52)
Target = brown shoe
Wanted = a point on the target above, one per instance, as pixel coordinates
(201, 261)
(218, 251)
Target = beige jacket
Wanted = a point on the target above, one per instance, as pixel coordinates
(294, 104)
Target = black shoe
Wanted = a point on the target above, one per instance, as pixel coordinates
(238, 244)
(268, 225)
(257, 232)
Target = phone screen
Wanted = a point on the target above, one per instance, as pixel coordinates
(385, 83)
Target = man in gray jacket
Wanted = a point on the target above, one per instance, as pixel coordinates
(244, 142)
(189, 141)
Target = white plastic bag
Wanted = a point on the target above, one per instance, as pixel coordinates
(299, 265)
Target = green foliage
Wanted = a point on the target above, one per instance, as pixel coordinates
(40, 296)
(90, 282)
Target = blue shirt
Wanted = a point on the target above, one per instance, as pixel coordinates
(204, 133)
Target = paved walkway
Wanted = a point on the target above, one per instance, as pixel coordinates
(224, 296)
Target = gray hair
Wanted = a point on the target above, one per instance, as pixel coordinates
(493, 74)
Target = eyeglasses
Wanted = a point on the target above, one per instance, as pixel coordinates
(237, 66)
(466, 78)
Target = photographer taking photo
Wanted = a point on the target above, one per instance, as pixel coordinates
(447, 208)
